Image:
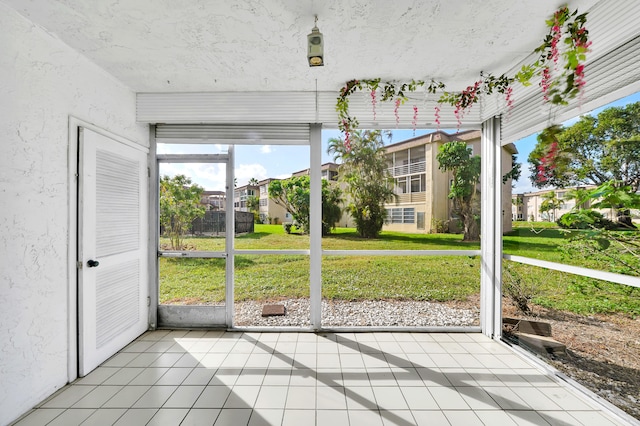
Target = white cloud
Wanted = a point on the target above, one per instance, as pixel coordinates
(211, 176)
(284, 176)
(265, 149)
(244, 172)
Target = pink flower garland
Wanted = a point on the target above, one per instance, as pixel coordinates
(395, 111)
(468, 97)
(373, 103)
(437, 114)
(508, 98)
(547, 163)
(347, 135)
(556, 36)
(414, 122)
(545, 83)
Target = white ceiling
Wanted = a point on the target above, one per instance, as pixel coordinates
(260, 45)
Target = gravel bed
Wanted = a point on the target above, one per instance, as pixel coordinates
(376, 313)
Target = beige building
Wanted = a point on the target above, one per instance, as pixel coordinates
(270, 212)
(329, 172)
(422, 204)
(240, 196)
(526, 207)
(214, 200)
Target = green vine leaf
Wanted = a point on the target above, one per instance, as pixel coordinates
(564, 27)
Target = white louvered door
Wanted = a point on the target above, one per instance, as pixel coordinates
(112, 247)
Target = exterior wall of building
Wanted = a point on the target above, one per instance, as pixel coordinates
(43, 82)
(432, 200)
(270, 211)
(240, 196)
(529, 210)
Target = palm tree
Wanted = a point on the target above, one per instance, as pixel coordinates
(369, 184)
(551, 203)
(253, 182)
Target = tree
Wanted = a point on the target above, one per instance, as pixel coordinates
(294, 195)
(331, 210)
(253, 182)
(369, 184)
(593, 151)
(514, 173)
(579, 195)
(456, 157)
(253, 203)
(179, 206)
(551, 203)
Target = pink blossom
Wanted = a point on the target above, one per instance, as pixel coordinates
(395, 111)
(437, 114)
(414, 122)
(508, 98)
(373, 103)
(347, 135)
(545, 83)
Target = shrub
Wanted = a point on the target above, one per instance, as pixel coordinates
(439, 226)
(287, 227)
(517, 288)
(585, 219)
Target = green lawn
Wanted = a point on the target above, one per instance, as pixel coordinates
(437, 278)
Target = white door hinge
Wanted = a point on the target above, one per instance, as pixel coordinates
(148, 301)
(79, 264)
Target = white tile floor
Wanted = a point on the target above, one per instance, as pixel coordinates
(214, 377)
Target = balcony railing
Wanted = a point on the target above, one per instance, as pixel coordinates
(408, 169)
(413, 197)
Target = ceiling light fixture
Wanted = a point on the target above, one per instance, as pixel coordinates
(315, 51)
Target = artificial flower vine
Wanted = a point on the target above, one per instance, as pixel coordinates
(568, 39)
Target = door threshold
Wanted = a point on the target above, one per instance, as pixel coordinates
(283, 329)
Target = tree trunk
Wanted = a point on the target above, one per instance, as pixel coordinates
(471, 229)
(624, 218)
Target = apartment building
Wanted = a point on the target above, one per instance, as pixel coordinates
(270, 211)
(329, 172)
(526, 207)
(422, 204)
(214, 200)
(240, 196)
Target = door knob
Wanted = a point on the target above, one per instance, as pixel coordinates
(92, 263)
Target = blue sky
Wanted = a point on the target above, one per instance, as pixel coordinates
(277, 161)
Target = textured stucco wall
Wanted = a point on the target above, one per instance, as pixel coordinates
(42, 82)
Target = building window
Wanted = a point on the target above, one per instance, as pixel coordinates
(396, 215)
(401, 184)
(420, 220)
(263, 202)
(401, 215)
(408, 215)
(418, 183)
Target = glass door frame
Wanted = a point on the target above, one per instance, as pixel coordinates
(313, 140)
(197, 315)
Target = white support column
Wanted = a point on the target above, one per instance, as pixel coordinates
(230, 224)
(154, 230)
(491, 230)
(315, 226)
